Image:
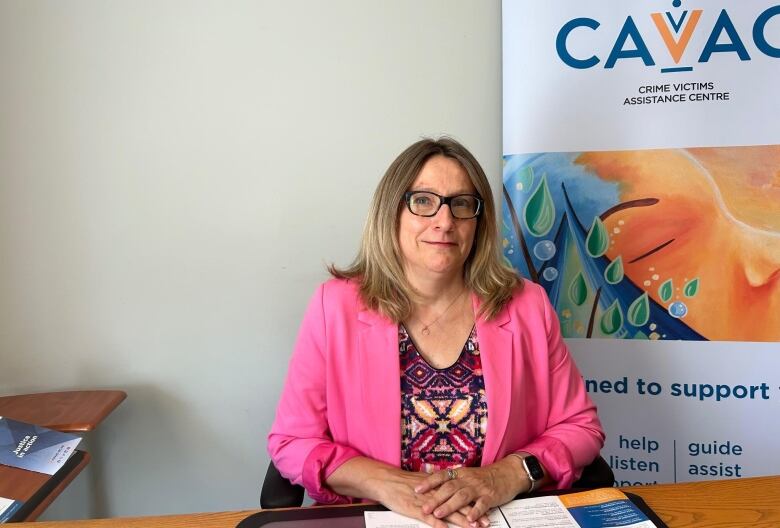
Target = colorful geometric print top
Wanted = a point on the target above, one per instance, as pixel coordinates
(443, 411)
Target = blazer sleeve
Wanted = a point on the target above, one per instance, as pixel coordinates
(300, 443)
(574, 436)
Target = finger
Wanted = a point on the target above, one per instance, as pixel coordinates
(459, 519)
(436, 523)
(433, 481)
(458, 500)
(440, 495)
(482, 522)
(478, 510)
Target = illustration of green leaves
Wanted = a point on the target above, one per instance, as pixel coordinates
(612, 319)
(578, 290)
(639, 312)
(598, 239)
(614, 272)
(525, 179)
(640, 335)
(691, 287)
(666, 290)
(539, 211)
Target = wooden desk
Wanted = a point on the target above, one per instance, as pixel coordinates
(70, 412)
(750, 502)
(753, 502)
(38, 490)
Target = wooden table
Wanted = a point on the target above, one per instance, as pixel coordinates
(70, 412)
(38, 490)
(749, 502)
(67, 411)
(753, 502)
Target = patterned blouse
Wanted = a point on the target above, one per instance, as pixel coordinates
(443, 411)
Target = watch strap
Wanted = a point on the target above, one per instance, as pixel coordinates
(527, 470)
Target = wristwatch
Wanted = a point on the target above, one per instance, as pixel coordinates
(534, 470)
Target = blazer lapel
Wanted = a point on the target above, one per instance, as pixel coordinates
(495, 346)
(380, 381)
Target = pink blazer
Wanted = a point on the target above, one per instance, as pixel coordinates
(342, 398)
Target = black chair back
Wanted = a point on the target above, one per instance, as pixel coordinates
(278, 492)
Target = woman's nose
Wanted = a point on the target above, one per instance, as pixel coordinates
(444, 217)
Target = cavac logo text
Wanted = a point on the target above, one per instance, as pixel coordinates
(724, 37)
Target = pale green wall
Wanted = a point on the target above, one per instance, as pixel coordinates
(173, 177)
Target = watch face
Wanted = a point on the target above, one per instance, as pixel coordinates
(533, 467)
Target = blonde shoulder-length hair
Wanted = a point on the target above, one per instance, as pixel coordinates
(378, 266)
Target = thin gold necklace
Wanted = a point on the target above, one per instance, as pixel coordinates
(426, 329)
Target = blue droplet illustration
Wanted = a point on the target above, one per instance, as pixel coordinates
(544, 250)
(550, 274)
(678, 309)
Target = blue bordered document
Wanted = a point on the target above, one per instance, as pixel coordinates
(599, 508)
(33, 447)
(8, 508)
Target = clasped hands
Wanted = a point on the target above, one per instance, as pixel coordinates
(461, 497)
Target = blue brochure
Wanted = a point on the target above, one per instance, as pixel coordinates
(8, 507)
(33, 447)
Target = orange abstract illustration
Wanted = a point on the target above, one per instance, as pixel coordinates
(659, 244)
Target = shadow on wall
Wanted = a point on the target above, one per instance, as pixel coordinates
(180, 454)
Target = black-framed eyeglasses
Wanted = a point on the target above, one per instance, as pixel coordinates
(426, 203)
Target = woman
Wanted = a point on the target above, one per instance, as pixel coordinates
(382, 345)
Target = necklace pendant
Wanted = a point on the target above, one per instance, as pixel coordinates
(425, 331)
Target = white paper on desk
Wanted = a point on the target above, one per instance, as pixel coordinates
(388, 519)
(539, 512)
(600, 508)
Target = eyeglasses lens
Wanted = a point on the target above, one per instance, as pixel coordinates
(428, 204)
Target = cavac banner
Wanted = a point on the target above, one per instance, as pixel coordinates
(642, 190)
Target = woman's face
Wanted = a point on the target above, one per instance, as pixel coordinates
(716, 219)
(437, 245)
